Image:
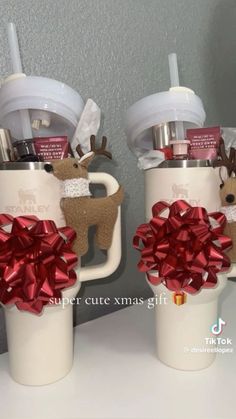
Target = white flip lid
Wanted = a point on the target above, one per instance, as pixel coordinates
(177, 104)
(61, 102)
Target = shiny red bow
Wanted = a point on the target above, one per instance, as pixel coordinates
(36, 262)
(185, 249)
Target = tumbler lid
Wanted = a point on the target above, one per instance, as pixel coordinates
(58, 105)
(177, 104)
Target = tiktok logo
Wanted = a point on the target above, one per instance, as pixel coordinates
(217, 328)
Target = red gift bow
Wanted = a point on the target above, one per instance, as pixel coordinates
(185, 249)
(36, 262)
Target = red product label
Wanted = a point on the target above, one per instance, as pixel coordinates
(51, 148)
(204, 142)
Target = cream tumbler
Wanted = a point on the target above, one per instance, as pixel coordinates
(41, 347)
(181, 330)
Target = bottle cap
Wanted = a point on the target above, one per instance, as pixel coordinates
(180, 148)
(24, 147)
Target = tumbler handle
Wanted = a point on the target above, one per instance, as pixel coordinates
(105, 269)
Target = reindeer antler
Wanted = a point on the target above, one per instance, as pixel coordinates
(80, 151)
(98, 151)
(228, 162)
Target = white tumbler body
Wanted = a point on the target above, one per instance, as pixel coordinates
(40, 347)
(197, 185)
(183, 332)
(181, 328)
(31, 192)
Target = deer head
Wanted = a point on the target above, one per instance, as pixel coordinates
(227, 166)
(77, 168)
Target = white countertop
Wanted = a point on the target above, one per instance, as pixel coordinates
(117, 375)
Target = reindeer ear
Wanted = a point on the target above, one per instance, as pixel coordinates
(223, 174)
(86, 159)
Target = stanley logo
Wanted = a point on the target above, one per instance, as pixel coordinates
(26, 203)
(180, 191)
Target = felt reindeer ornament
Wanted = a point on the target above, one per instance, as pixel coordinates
(80, 209)
(227, 164)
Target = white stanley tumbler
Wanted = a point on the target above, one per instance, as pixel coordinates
(182, 330)
(152, 125)
(41, 347)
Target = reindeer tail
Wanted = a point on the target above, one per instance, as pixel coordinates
(118, 196)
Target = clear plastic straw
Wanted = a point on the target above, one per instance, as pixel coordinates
(17, 68)
(173, 68)
(174, 81)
